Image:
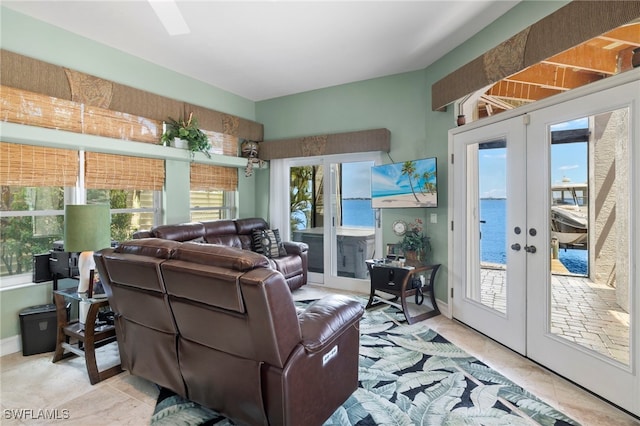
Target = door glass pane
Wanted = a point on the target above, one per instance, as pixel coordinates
(487, 221)
(354, 218)
(350, 205)
(589, 232)
(306, 192)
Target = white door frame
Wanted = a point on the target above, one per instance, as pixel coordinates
(580, 369)
(507, 327)
(609, 378)
(279, 197)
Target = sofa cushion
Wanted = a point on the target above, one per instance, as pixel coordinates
(268, 243)
(154, 247)
(222, 256)
(192, 231)
(246, 226)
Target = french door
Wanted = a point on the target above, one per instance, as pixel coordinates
(329, 201)
(489, 206)
(546, 209)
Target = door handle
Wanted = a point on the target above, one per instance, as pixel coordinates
(530, 249)
(515, 247)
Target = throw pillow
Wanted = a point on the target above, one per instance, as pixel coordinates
(267, 242)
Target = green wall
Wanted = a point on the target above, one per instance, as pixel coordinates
(402, 104)
(398, 103)
(36, 39)
(39, 40)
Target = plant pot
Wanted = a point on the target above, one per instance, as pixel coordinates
(413, 258)
(180, 143)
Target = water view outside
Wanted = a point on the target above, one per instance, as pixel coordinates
(357, 212)
(493, 240)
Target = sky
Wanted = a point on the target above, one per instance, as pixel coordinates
(567, 161)
(357, 179)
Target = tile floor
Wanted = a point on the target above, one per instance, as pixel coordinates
(33, 383)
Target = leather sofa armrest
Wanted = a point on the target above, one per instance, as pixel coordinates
(293, 247)
(326, 319)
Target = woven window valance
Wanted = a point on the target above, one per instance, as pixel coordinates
(336, 143)
(111, 171)
(567, 27)
(205, 177)
(25, 73)
(30, 165)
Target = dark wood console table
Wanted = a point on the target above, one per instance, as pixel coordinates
(399, 282)
(86, 338)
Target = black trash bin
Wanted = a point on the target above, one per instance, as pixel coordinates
(38, 327)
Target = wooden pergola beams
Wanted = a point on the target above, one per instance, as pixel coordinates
(600, 57)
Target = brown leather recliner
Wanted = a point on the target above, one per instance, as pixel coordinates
(216, 325)
(237, 233)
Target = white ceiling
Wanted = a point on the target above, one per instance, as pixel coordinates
(265, 49)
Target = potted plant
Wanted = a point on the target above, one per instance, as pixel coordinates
(188, 131)
(415, 245)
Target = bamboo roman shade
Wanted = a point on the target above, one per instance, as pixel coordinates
(110, 171)
(30, 165)
(213, 178)
(222, 143)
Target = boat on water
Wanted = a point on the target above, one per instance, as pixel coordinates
(569, 215)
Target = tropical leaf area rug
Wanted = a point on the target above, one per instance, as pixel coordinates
(409, 375)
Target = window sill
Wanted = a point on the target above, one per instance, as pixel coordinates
(4, 286)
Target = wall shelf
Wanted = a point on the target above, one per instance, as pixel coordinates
(32, 135)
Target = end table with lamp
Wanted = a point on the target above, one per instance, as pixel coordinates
(87, 228)
(83, 338)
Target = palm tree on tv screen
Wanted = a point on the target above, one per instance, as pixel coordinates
(409, 170)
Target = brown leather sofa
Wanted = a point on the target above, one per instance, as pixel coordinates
(237, 233)
(217, 325)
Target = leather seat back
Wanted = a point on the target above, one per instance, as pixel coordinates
(245, 227)
(134, 285)
(233, 314)
(191, 231)
(222, 232)
(218, 325)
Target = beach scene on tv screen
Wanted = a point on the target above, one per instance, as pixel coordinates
(407, 184)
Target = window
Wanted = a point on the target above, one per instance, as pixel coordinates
(32, 215)
(32, 219)
(131, 210)
(213, 192)
(130, 185)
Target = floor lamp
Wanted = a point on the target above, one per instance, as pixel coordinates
(87, 228)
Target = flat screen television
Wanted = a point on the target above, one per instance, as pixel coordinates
(407, 184)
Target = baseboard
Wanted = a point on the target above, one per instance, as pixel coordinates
(10, 345)
(444, 308)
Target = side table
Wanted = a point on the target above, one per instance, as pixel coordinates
(398, 281)
(86, 338)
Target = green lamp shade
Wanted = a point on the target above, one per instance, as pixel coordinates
(87, 227)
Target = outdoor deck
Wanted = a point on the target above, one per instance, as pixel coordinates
(582, 311)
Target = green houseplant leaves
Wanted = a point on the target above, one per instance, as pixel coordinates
(189, 131)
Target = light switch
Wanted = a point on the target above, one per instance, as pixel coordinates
(434, 218)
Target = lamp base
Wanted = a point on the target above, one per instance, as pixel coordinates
(85, 265)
